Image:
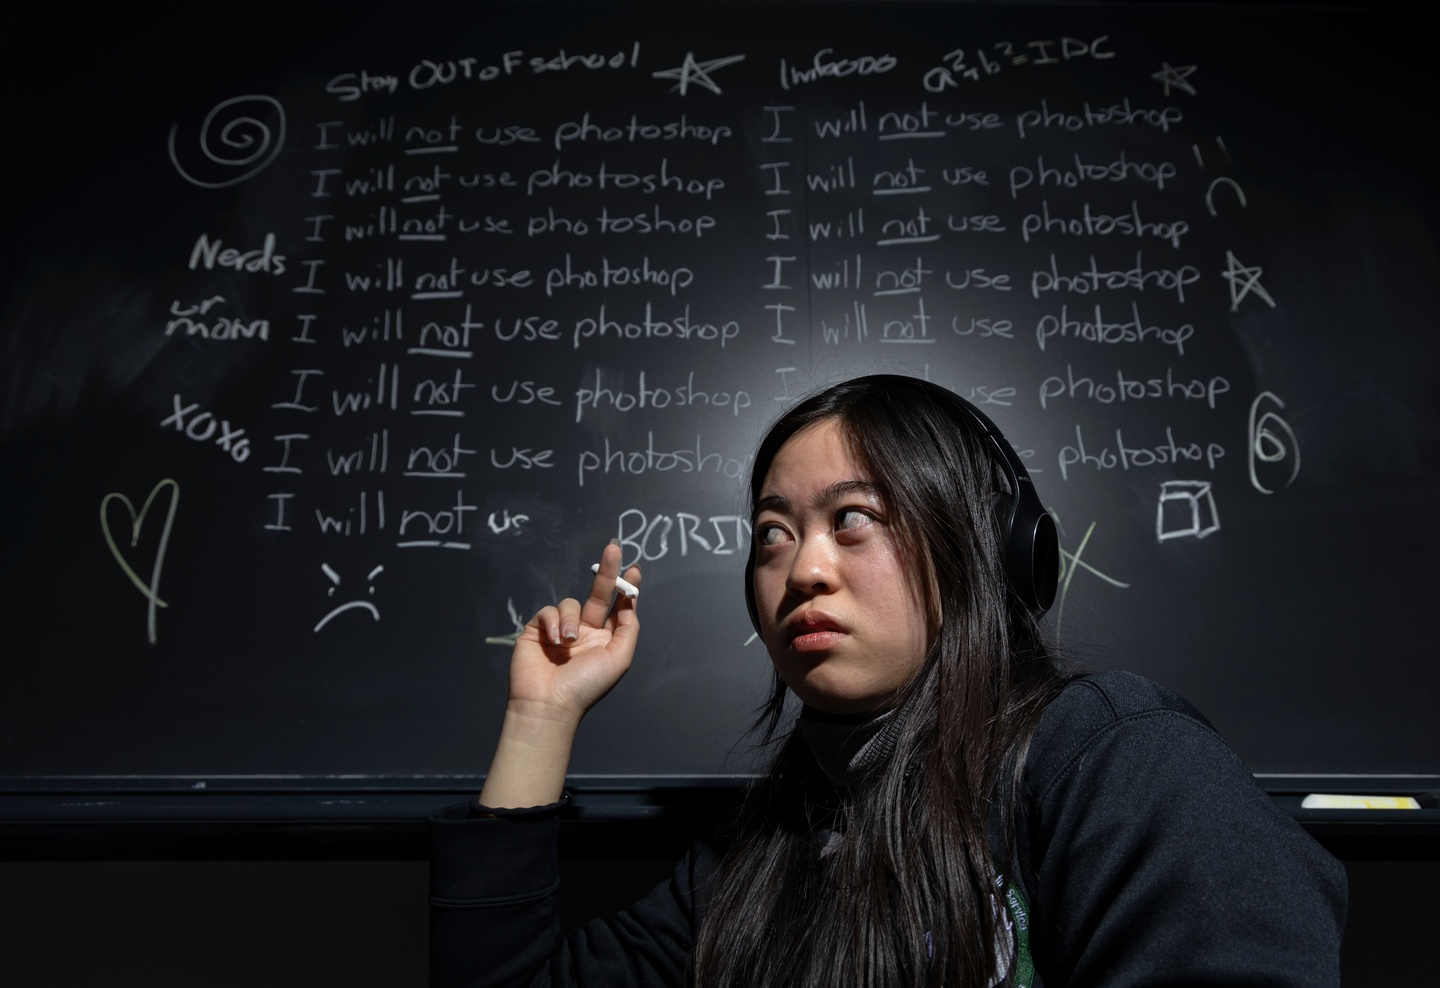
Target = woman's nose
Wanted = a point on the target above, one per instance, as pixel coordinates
(812, 570)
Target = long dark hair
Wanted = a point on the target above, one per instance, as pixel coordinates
(907, 896)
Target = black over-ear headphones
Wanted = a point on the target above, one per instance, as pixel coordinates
(1029, 541)
(1027, 531)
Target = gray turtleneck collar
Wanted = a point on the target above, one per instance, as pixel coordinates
(845, 746)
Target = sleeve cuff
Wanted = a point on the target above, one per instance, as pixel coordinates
(510, 855)
(480, 810)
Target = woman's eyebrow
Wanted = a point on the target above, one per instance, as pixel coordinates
(770, 502)
(842, 488)
(828, 496)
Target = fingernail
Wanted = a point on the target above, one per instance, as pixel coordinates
(571, 632)
(555, 634)
(614, 541)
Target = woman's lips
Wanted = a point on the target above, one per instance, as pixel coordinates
(815, 632)
(816, 641)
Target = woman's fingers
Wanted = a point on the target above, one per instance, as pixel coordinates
(558, 624)
(564, 622)
(624, 624)
(547, 622)
(575, 651)
(572, 620)
(602, 588)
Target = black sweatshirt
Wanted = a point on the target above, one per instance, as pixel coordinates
(1147, 852)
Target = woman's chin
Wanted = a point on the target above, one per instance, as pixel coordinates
(831, 697)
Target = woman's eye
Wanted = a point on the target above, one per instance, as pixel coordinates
(852, 518)
(769, 535)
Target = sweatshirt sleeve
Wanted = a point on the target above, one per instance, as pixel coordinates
(494, 920)
(1157, 859)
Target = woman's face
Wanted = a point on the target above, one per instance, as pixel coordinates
(839, 611)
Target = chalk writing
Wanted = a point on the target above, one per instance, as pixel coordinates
(1095, 224)
(1271, 440)
(357, 518)
(618, 397)
(640, 462)
(204, 427)
(1068, 177)
(1109, 332)
(1168, 452)
(680, 327)
(673, 280)
(646, 537)
(476, 275)
(209, 254)
(440, 528)
(1092, 279)
(603, 178)
(1120, 114)
(1105, 392)
(823, 65)
(194, 320)
(982, 62)
(584, 131)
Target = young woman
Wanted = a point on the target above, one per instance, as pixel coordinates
(948, 808)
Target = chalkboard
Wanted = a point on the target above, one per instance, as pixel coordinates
(336, 339)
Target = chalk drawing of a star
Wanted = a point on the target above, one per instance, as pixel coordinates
(691, 71)
(1243, 280)
(1169, 76)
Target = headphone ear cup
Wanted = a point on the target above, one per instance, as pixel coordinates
(1031, 546)
(1044, 560)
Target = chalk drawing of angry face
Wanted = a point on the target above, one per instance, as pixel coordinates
(350, 605)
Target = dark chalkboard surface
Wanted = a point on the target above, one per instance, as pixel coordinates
(334, 340)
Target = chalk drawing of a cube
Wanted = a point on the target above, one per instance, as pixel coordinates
(1186, 510)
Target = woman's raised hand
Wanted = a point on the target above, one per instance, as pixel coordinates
(572, 653)
(568, 656)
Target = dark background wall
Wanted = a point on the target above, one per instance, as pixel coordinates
(307, 923)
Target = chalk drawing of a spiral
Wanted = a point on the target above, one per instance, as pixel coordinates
(244, 139)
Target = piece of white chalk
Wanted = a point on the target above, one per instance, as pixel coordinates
(1333, 801)
(624, 586)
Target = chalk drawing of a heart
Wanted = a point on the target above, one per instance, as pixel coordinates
(151, 590)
